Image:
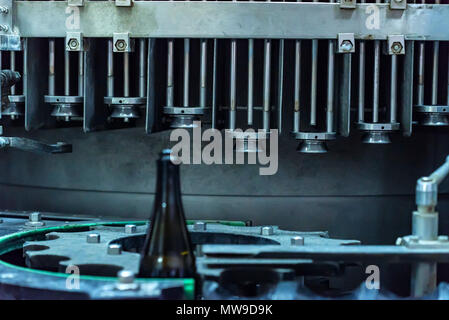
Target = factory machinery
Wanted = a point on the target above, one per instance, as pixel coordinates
(95, 87)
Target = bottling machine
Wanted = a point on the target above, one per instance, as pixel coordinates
(351, 97)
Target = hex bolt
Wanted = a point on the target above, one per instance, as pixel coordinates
(114, 249)
(199, 226)
(93, 238)
(396, 47)
(267, 231)
(73, 44)
(126, 281)
(346, 45)
(35, 220)
(399, 241)
(120, 45)
(443, 238)
(4, 27)
(4, 10)
(130, 228)
(297, 241)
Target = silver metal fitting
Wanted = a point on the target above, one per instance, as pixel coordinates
(267, 231)
(200, 226)
(346, 43)
(126, 281)
(74, 41)
(348, 4)
(122, 42)
(130, 228)
(4, 28)
(114, 249)
(297, 241)
(35, 220)
(4, 10)
(396, 44)
(426, 192)
(93, 238)
(398, 4)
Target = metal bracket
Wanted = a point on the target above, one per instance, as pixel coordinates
(34, 146)
(398, 4)
(122, 42)
(123, 3)
(8, 39)
(414, 242)
(396, 44)
(349, 4)
(74, 41)
(346, 43)
(75, 3)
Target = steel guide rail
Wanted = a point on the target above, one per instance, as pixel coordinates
(256, 20)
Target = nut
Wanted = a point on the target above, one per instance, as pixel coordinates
(130, 228)
(267, 231)
(73, 44)
(396, 47)
(93, 238)
(120, 45)
(346, 45)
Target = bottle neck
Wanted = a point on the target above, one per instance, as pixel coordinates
(168, 187)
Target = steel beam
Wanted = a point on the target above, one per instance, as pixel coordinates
(173, 19)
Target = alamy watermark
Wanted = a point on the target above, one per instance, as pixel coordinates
(189, 148)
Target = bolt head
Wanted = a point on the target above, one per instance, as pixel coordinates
(130, 228)
(267, 231)
(73, 43)
(199, 226)
(346, 45)
(120, 45)
(297, 241)
(93, 238)
(35, 217)
(114, 249)
(126, 276)
(396, 47)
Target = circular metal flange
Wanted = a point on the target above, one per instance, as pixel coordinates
(63, 99)
(125, 112)
(195, 111)
(432, 115)
(312, 146)
(67, 111)
(14, 110)
(17, 98)
(133, 101)
(382, 127)
(321, 136)
(376, 137)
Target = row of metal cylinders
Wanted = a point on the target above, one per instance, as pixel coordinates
(430, 117)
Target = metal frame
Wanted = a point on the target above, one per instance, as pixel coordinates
(171, 19)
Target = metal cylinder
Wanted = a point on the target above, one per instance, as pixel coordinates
(232, 109)
(186, 72)
(170, 85)
(330, 87)
(126, 74)
(142, 67)
(393, 89)
(51, 67)
(203, 72)
(361, 92)
(12, 67)
(67, 73)
(250, 80)
(376, 73)
(81, 73)
(313, 86)
(266, 84)
(420, 93)
(296, 115)
(110, 83)
(436, 51)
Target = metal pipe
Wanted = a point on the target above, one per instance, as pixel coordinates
(214, 86)
(67, 73)
(186, 71)
(142, 68)
(232, 109)
(170, 83)
(110, 83)
(126, 74)
(13, 68)
(330, 87)
(266, 85)
(81, 73)
(280, 84)
(250, 81)
(421, 53)
(362, 81)
(203, 73)
(376, 81)
(393, 89)
(296, 115)
(313, 86)
(436, 49)
(51, 67)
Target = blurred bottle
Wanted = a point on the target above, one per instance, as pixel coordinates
(167, 251)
